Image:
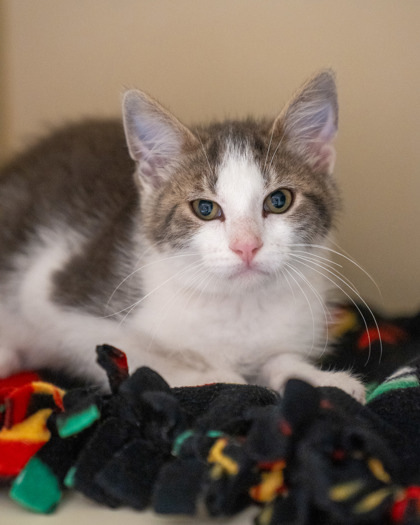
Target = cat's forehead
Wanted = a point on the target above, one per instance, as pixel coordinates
(240, 136)
(234, 152)
(240, 179)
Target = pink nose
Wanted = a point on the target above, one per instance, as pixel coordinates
(246, 250)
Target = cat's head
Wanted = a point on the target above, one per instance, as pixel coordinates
(232, 201)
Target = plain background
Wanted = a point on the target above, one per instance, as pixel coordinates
(209, 59)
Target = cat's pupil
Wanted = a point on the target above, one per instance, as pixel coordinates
(278, 199)
(205, 207)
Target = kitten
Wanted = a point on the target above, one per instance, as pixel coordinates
(205, 258)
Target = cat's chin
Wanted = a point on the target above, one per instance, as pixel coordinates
(248, 273)
(242, 279)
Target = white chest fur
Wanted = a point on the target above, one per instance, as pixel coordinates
(240, 331)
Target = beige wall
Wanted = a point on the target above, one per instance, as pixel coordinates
(3, 121)
(213, 58)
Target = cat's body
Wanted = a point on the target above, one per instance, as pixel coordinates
(208, 264)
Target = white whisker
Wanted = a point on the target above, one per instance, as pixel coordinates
(268, 149)
(284, 275)
(205, 154)
(130, 308)
(354, 291)
(152, 263)
(346, 257)
(327, 315)
(306, 299)
(275, 151)
(354, 262)
(326, 259)
(324, 265)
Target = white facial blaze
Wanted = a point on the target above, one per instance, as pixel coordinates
(240, 189)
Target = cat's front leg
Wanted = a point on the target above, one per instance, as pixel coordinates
(182, 368)
(278, 370)
(191, 377)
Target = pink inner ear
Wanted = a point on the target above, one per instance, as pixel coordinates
(312, 127)
(146, 169)
(324, 157)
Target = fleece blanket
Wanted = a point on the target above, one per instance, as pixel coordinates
(312, 456)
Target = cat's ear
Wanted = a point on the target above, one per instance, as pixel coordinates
(308, 124)
(155, 138)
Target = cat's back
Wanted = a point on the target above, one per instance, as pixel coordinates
(79, 174)
(81, 159)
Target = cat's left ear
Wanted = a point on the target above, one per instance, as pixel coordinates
(309, 123)
(155, 138)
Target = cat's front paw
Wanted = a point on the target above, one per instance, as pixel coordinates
(343, 380)
(319, 378)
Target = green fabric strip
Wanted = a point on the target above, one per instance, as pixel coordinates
(392, 385)
(70, 425)
(36, 487)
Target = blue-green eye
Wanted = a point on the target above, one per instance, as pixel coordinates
(206, 210)
(279, 201)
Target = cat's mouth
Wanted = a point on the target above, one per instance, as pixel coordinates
(246, 271)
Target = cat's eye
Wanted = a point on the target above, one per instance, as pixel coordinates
(206, 210)
(279, 201)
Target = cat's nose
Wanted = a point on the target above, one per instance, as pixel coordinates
(246, 249)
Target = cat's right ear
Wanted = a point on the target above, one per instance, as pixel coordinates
(308, 124)
(155, 138)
